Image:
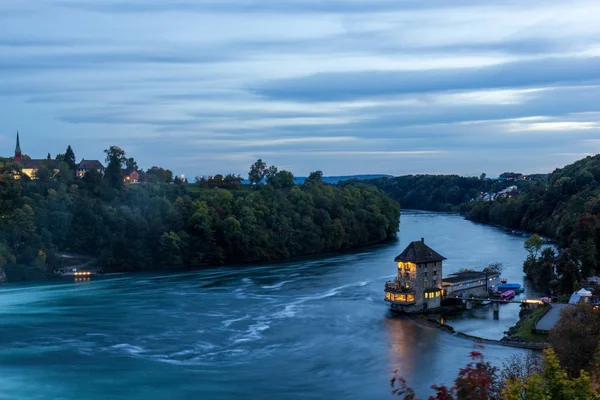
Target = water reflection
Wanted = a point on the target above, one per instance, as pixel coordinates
(264, 330)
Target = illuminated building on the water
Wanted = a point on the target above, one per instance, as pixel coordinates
(418, 284)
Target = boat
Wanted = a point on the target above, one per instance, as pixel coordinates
(486, 302)
(503, 280)
(77, 273)
(516, 287)
(507, 295)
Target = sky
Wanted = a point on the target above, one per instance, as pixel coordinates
(343, 86)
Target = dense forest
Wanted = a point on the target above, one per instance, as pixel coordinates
(564, 206)
(149, 225)
(450, 193)
(567, 209)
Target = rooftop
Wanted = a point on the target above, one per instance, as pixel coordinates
(466, 276)
(418, 252)
(36, 164)
(90, 164)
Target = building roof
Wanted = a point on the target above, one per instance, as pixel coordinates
(90, 164)
(466, 276)
(18, 147)
(129, 172)
(36, 164)
(418, 252)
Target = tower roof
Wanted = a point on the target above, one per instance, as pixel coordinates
(418, 252)
(18, 148)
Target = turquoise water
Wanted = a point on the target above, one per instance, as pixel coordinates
(308, 329)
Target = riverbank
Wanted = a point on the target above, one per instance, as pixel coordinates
(428, 321)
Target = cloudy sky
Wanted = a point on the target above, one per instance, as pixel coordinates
(344, 86)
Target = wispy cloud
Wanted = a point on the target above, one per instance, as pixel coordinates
(345, 86)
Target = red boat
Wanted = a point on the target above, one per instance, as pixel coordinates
(508, 295)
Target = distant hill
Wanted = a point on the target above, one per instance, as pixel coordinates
(336, 179)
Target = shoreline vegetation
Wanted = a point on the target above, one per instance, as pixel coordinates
(171, 223)
(563, 207)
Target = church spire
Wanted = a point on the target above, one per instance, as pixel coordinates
(18, 149)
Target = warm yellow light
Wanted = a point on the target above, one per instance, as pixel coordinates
(407, 266)
(410, 298)
(530, 301)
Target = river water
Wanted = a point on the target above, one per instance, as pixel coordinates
(308, 329)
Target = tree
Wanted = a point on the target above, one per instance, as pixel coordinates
(280, 179)
(60, 157)
(315, 176)
(115, 157)
(477, 381)
(494, 268)
(65, 174)
(70, 157)
(257, 172)
(43, 174)
(482, 176)
(271, 173)
(93, 179)
(170, 249)
(158, 175)
(481, 381)
(131, 164)
(551, 384)
(533, 245)
(575, 337)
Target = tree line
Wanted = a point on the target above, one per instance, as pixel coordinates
(140, 227)
(448, 193)
(564, 206)
(567, 210)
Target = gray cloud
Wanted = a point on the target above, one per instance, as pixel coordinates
(346, 86)
(351, 85)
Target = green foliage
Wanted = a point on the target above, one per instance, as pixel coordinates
(575, 338)
(69, 158)
(115, 157)
(539, 269)
(566, 209)
(158, 175)
(520, 379)
(258, 172)
(552, 384)
(533, 245)
(131, 164)
(145, 226)
(439, 192)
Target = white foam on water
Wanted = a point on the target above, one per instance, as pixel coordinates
(228, 322)
(253, 333)
(276, 286)
(128, 348)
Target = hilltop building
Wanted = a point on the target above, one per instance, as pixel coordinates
(30, 166)
(132, 176)
(418, 284)
(88, 165)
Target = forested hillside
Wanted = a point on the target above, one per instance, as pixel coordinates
(437, 192)
(150, 225)
(567, 209)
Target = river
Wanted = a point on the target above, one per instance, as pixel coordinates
(308, 329)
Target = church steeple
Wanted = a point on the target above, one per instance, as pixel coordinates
(18, 149)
